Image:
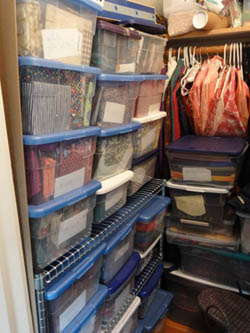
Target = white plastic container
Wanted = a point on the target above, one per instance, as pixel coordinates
(112, 196)
(146, 139)
(174, 6)
(59, 30)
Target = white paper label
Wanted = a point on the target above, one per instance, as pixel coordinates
(114, 113)
(148, 140)
(72, 311)
(193, 205)
(124, 68)
(69, 182)
(72, 226)
(61, 43)
(197, 174)
(122, 250)
(113, 198)
(121, 298)
(154, 107)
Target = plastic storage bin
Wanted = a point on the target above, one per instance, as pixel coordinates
(115, 99)
(146, 139)
(60, 30)
(57, 164)
(128, 322)
(214, 161)
(221, 267)
(55, 97)
(179, 236)
(115, 49)
(149, 291)
(58, 225)
(114, 151)
(112, 196)
(67, 296)
(156, 312)
(89, 320)
(150, 58)
(144, 171)
(120, 287)
(150, 95)
(151, 222)
(119, 249)
(198, 203)
(245, 232)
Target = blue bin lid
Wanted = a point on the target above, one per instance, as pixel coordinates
(73, 274)
(64, 200)
(145, 157)
(121, 234)
(125, 272)
(150, 77)
(88, 311)
(123, 129)
(34, 140)
(152, 282)
(148, 27)
(208, 145)
(156, 312)
(154, 207)
(121, 78)
(31, 61)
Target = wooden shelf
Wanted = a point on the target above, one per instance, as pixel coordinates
(227, 34)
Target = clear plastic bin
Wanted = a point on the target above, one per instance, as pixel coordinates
(216, 266)
(67, 296)
(245, 232)
(198, 203)
(212, 161)
(60, 30)
(55, 97)
(150, 95)
(149, 291)
(114, 151)
(179, 236)
(150, 57)
(128, 322)
(120, 287)
(151, 222)
(60, 224)
(144, 171)
(115, 99)
(59, 163)
(115, 49)
(89, 320)
(146, 139)
(119, 249)
(112, 196)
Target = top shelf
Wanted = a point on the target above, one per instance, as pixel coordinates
(213, 35)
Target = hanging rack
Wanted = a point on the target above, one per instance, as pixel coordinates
(219, 49)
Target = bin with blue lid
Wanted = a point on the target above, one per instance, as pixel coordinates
(120, 287)
(114, 151)
(61, 30)
(115, 99)
(89, 320)
(150, 223)
(55, 97)
(59, 163)
(149, 291)
(144, 171)
(115, 48)
(119, 249)
(60, 224)
(211, 161)
(68, 295)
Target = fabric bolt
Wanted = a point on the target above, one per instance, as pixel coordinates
(33, 178)
(48, 173)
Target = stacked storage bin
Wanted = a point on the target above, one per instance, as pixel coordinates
(204, 172)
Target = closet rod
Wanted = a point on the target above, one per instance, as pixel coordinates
(203, 50)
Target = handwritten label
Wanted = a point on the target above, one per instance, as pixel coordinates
(72, 226)
(69, 182)
(72, 311)
(114, 113)
(197, 174)
(126, 68)
(61, 43)
(114, 197)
